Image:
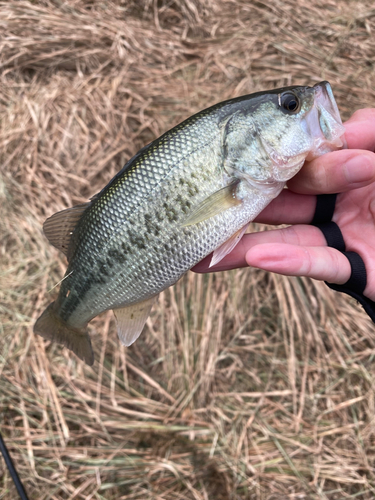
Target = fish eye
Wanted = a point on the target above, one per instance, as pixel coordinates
(290, 103)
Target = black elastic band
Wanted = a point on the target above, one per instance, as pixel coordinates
(12, 470)
(333, 235)
(358, 277)
(325, 207)
(356, 284)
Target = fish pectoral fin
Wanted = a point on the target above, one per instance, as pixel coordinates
(131, 320)
(217, 202)
(60, 226)
(228, 246)
(51, 327)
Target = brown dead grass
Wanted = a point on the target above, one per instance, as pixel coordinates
(245, 385)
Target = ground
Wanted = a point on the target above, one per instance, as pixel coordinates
(245, 384)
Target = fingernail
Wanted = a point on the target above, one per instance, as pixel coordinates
(359, 169)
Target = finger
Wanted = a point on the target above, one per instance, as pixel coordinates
(294, 235)
(289, 208)
(320, 263)
(335, 172)
(359, 130)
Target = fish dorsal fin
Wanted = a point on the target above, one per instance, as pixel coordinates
(131, 320)
(228, 246)
(217, 202)
(59, 227)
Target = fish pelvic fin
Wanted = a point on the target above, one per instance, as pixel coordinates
(131, 320)
(228, 246)
(51, 327)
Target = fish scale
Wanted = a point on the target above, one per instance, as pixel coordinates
(134, 281)
(189, 193)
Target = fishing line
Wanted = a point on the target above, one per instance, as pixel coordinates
(12, 470)
(57, 284)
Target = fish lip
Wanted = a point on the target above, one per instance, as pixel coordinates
(323, 90)
(324, 123)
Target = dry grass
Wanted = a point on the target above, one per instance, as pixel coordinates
(245, 385)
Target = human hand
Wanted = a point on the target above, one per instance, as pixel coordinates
(301, 249)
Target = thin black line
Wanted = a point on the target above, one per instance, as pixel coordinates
(12, 470)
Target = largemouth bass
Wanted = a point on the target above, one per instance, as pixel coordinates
(187, 194)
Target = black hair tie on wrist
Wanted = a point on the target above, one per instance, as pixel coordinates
(325, 207)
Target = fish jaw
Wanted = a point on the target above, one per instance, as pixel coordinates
(317, 131)
(323, 123)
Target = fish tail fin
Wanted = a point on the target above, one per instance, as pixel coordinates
(51, 327)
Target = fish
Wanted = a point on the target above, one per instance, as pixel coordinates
(187, 194)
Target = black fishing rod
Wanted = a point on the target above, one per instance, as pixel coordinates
(12, 470)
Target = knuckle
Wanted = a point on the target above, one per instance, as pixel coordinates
(307, 267)
(335, 266)
(291, 235)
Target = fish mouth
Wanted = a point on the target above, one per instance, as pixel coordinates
(324, 123)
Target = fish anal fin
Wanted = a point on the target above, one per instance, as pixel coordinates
(131, 320)
(51, 327)
(216, 203)
(59, 227)
(228, 246)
